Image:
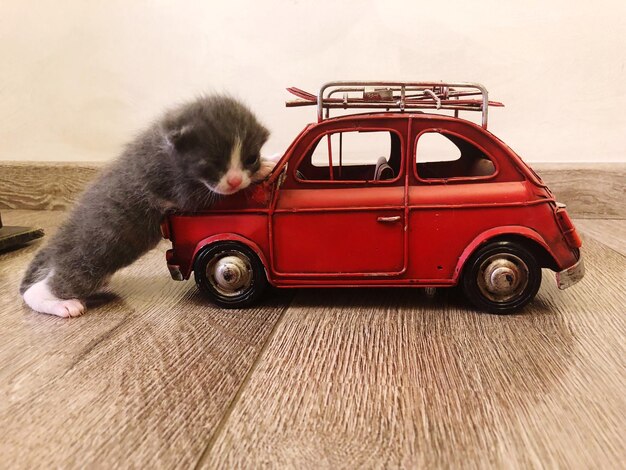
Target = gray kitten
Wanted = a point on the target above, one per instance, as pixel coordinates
(207, 147)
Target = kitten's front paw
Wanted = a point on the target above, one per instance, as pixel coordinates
(265, 170)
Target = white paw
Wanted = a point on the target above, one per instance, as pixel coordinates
(39, 298)
(67, 308)
(265, 170)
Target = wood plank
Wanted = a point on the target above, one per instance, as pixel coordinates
(610, 232)
(590, 190)
(594, 190)
(43, 185)
(142, 380)
(395, 379)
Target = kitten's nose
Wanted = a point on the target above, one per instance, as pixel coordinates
(234, 180)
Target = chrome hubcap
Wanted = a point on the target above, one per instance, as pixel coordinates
(502, 277)
(230, 273)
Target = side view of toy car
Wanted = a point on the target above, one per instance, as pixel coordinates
(396, 197)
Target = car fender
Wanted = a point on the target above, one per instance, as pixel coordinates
(223, 237)
(516, 230)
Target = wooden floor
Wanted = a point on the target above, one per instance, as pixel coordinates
(155, 376)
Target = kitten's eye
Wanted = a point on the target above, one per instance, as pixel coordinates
(251, 160)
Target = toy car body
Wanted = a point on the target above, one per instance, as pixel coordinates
(337, 213)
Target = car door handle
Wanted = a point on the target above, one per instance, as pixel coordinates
(389, 220)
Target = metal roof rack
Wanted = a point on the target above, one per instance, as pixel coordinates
(456, 96)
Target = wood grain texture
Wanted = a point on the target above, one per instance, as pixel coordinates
(42, 185)
(142, 380)
(394, 379)
(590, 190)
(610, 232)
(595, 190)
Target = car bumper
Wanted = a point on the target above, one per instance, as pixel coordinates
(175, 272)
(570, 276)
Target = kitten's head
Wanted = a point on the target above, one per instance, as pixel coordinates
(217, 141)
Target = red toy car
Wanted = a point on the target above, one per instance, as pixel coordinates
(397, 197)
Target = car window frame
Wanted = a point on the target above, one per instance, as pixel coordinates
(315, 141)
(453, 179)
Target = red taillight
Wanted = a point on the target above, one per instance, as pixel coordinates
(569, 232)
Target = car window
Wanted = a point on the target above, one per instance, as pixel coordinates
(352, 156)
(441, 155)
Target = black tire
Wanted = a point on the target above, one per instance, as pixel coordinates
(230, 274)
(501, 277)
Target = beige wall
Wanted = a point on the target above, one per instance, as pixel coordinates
(80, 77)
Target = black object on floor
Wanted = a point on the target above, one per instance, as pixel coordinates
(12, 237)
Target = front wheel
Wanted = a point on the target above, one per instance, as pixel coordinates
(230, 273)
(501, 277)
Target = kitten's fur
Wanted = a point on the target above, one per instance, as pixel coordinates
(207, 147)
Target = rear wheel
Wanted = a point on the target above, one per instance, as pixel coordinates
(230, 273)
(501, 277)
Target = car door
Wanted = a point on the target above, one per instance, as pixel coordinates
(341, 210)
(463, 186)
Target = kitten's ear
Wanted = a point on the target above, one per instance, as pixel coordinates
(182, 139)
